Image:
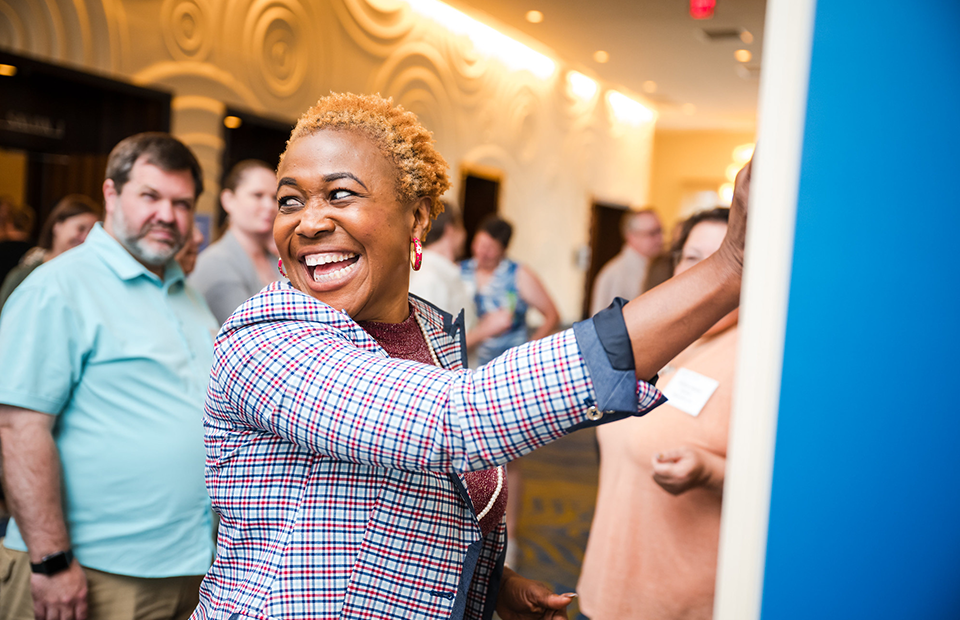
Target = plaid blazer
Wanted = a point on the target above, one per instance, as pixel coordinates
(336, 470)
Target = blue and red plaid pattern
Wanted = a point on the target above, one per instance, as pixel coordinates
(335, 468)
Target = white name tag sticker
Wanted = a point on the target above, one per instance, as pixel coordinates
(689, 391)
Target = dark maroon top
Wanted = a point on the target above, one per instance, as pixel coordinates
(406, 341)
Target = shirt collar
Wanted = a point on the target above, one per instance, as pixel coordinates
(123, 263)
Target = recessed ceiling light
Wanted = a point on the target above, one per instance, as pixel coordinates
(601, 56)
(232, 122)
(534, 17)
(649, 86)
(689, 109)
(743, 55)
(747, 37)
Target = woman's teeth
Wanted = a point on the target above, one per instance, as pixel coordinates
(317, 261)
(332, 275)
(314, 260)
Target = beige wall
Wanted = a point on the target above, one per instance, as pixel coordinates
(276, 57)
(685, 162)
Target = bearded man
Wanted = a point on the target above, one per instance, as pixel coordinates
(104, 357)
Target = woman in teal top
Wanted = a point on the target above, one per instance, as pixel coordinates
(502, 286)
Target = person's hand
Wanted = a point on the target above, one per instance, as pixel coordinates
(495, 322)
(62, 596)
(524, 599)
(737, 228)
(678, 470)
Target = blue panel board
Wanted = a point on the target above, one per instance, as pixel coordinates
(865, 508)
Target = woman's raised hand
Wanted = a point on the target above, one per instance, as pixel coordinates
(737, 230)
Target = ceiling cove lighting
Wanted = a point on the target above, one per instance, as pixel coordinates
(581, 86)
(627, 110)
(486, 40)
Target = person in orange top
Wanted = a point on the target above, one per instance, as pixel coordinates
(652, 552)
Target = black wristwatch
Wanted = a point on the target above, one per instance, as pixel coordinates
(53, 563)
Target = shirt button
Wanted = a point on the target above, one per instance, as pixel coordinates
(594, 414)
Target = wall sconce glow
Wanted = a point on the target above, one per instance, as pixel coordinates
(8, 70)
(581, 86)
(726, 193)
(486, 40)
(732, 171)
(232, 122)
(627, 110)
(743, 153)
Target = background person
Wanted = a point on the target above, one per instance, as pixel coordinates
(623, 274)
(502, 286)
(16, 226)
(187, 256)
(354, 478)
(652, 552)
(104, 356)
(244, 259)
(66, 227)
(658, 271)
(502, 291)
(438, 279)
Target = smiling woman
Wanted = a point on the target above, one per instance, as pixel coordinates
(356, 464)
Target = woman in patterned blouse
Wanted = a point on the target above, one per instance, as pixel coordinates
(356, 464)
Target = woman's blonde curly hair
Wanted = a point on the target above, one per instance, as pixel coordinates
(421, 170)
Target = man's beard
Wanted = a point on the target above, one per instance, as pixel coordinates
(134, 242)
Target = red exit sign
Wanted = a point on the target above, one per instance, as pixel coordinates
(702, 9)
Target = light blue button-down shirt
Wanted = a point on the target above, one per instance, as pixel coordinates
(122, 358)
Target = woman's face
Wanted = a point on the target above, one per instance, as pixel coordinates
(342, 233)
(705, 239)
(487, 251)
(252, 207)
(71, 232)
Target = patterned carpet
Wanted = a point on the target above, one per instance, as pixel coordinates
(559, 493)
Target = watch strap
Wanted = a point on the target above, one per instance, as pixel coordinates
(53, 563)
